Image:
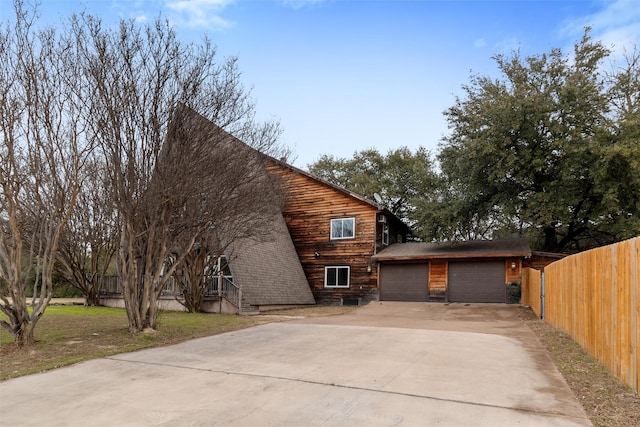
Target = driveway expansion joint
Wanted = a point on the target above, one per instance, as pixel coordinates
(351, 387)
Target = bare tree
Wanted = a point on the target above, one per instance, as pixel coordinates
(173, 173)
(89, 240)
(41, 156)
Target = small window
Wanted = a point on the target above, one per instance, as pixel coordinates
(399, 238)
(385, 234)
(336, 277)
(343, 228)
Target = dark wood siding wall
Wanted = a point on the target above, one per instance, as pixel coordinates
(513, 270)
(396, 228)
(310, 207)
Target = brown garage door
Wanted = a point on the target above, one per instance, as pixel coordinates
(479, 281)
(404, 282)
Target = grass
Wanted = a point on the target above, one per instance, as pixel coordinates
(70, 334)
(606, 400)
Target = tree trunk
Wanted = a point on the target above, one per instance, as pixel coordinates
(24, 337)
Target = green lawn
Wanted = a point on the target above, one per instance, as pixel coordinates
(70, 334)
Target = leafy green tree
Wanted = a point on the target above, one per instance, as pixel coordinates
(402, 178)
(549, 151)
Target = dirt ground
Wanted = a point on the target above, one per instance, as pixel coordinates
(607, 401)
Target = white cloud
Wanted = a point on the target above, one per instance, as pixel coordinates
(616, 25)
(507, 46)
(199, 13)
(479, 43)
(298, 4)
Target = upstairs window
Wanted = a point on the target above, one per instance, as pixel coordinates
(343, 228)
(385, 234)
(336, 277)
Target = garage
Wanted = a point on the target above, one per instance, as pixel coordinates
(477, 281)
(473, 271)
(404, 282)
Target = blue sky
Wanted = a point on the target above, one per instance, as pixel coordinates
(343, 76)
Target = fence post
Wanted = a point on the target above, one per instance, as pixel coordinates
(542, 294)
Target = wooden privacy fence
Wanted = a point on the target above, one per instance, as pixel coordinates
(531, 289)
(595, 297)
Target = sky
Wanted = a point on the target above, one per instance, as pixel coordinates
(345, 76)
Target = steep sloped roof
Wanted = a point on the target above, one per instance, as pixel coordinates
(466, 249)
(267, 269)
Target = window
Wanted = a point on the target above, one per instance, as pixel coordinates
(385, 234)
(336, 277)
(343, 228)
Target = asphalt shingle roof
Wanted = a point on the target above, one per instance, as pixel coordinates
(465, 249)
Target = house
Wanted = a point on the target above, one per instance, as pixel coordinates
(317, 247)
(469, 272)
(327, 245)
(336, 233)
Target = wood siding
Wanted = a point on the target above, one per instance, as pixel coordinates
(513, 274)
(310, 207)
(438, 277)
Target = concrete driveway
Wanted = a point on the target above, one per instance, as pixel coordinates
(389, 364)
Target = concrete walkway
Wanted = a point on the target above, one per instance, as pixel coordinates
(410, 364)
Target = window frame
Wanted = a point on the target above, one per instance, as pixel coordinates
(385, 234)
(337, 268)
(331, 236)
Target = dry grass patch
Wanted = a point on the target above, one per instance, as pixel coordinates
(71, 334)
(607, 401)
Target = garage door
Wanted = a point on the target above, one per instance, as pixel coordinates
(404, 282)
(476, 281)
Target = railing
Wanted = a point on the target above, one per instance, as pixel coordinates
(112, 286)
(231, 292)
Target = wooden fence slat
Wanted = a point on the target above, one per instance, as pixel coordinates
(595, 297)
(531, 289)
